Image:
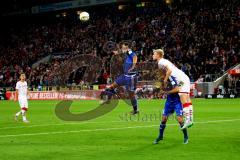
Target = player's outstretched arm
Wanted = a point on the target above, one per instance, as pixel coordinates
(168, 73)
(174, 90)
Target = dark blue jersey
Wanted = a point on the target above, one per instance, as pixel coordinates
(128, 78)
(173, 104)
(128, 62)
(173, 98)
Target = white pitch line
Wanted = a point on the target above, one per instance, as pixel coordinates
(108, 129)
(54, 124)
(85, 130)
(76, 123)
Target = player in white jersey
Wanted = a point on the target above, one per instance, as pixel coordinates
(178, 77)
(21, 96)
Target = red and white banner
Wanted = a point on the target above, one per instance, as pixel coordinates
(61, 95)
(234, 72)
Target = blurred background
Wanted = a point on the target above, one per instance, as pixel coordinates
(46, 40)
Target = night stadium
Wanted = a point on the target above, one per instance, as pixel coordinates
(120, 79)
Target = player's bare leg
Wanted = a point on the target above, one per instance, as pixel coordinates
(161, 129)
(185, 134)
(187, 110)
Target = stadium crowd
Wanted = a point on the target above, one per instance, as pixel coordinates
(201, 39)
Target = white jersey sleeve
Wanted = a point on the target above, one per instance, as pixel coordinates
(177, 76)
(17, 85)
(164, 63)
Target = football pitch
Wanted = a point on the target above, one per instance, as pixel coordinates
(117, 136)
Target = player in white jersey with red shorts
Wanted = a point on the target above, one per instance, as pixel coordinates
(21, 96)
(181, 79)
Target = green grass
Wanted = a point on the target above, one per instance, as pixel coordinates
(110, 137)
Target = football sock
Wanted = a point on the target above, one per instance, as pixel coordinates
(18, 113)
(186, 112)
(112, 91)
(161, 129)
(191, 111)
(108, 92)
(134, 103)
(24, 115)
(185, 134)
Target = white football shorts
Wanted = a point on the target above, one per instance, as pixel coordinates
(23, 102)
(185, 85)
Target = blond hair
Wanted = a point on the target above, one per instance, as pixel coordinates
(159, 52)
